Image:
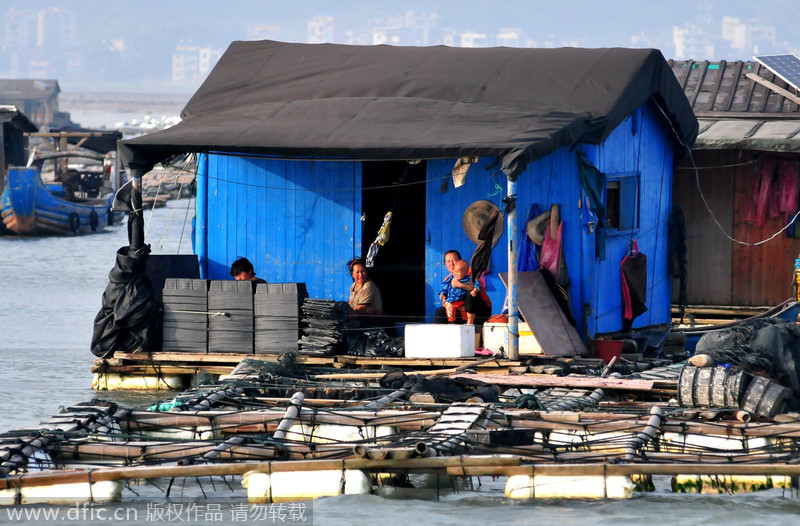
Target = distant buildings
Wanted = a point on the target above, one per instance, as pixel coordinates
(52, 43)
(192, 63)
(40, 43)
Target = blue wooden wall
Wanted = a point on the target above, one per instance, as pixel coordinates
(299, 221)
(641, 144)
(296, 221)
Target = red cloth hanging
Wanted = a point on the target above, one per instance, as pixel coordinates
(788, 171)
(765, 169)
(633, 278)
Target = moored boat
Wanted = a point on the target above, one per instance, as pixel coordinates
(30, 208)
(53, 196)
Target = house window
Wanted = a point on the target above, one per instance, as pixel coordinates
(622, 202)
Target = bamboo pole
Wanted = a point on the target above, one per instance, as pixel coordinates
(606, 469)
(645, 436)
(391, 397)
(46, 478)
(290, 416)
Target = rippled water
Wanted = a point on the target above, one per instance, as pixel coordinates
(50, 292)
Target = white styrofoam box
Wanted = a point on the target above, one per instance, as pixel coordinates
(439, 340)
(494, 338)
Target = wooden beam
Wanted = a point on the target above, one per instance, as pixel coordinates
(774, 87)
(546, 380)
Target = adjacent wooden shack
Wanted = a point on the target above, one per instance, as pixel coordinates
(307, 147)
(13, 127)
(748, 144)
(36, 98)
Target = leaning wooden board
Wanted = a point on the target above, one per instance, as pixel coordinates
(545, 318)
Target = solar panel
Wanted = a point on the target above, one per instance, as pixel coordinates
(786, 67)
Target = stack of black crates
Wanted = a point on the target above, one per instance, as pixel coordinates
(228, 316)
(277, 314)
(185, 320)
(230, 320)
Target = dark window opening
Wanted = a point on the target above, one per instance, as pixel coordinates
(622, 202)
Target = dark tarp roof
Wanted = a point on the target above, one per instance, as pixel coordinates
(17, 119)
(386, 102)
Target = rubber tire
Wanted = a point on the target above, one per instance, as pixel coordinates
(110, 216)
(74, 222)
(94, 220)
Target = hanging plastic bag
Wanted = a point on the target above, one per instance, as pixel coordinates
(551, 251)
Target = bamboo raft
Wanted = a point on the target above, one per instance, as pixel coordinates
(338, 427)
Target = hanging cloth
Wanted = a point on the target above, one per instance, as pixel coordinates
(634, 285)
(593, 182)
(760, 196)
(381, 240)
(526, 261)
(481, 257)
(788, 175)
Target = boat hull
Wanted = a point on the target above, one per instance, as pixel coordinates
(29, 208)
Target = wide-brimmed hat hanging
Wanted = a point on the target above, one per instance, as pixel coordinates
(476, 215)
(538, 224)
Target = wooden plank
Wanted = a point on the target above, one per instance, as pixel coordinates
(546, 319)
(216, 358)
(458, 418)
(546, 380)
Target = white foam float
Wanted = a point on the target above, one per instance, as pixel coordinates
(102, 491)
(569, 487)
(288, 486)
(123, 382)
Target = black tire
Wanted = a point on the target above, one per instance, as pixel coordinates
(94, 220)
(74, 222)
(110, 216)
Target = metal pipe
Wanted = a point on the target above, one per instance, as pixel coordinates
(201, 214)
(513, 316)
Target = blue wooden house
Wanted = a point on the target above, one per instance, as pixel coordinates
(305, 148)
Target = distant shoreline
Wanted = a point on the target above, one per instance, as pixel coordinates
(156, 103)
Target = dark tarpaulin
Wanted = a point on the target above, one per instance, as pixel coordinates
(130, 317)
(388, 102)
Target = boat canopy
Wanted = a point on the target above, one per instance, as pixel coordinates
(331, 101)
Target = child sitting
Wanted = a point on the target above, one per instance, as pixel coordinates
(453, 297)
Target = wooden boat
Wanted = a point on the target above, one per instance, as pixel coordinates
(78, 200)
(30, 208)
